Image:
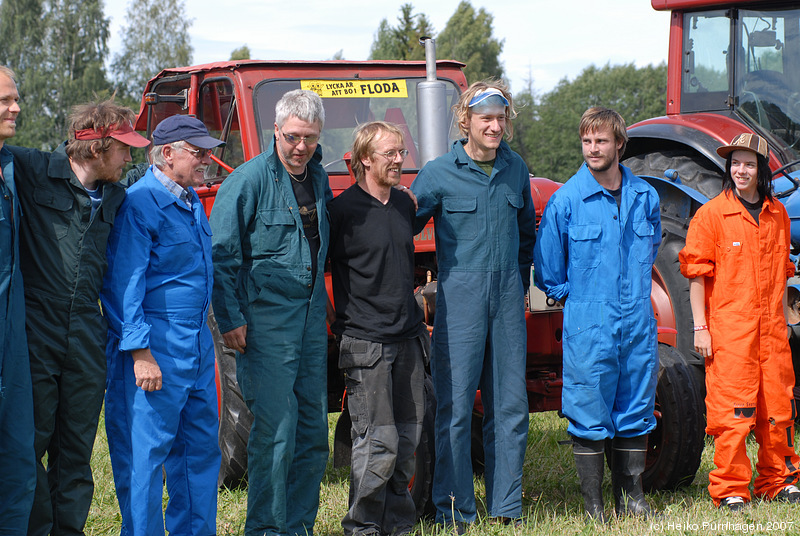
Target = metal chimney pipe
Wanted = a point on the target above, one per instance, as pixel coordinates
(431, 109)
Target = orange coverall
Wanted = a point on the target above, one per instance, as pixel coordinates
(749, 376)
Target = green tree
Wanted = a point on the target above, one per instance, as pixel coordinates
(549, 140)
(241, 53)
(58, 49)
(401, 42)
(468, 38)
(157, 37)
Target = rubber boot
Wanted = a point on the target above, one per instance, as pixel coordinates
(590, 461)
(626, 476)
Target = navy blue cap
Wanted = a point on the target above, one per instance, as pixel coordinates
(184, 128)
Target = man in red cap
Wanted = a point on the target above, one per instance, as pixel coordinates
(69, 199)
(737, 260)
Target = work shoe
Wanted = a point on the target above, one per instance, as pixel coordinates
(734, 504)
(516, 522)
(789, 494)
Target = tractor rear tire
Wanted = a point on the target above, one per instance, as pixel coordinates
(234, 417)
(695, 173)
(675, 446)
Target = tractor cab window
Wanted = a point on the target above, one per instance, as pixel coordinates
(768, 73)
(218, 111)
(348, 103)
(705, 81)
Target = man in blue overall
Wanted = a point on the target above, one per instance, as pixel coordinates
(270, 241)
(597, 242)
(161, 403)
(480, 199)
(17, 459)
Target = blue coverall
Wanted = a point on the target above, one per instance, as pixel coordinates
(156, 295)
(263, 279)
(600, 258)
(17, 457)
(485, 231)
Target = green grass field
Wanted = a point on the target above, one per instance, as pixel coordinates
(552, 502)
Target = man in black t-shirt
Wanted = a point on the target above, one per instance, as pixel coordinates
(384, 342)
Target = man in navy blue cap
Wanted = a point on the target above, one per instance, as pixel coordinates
(161, 404)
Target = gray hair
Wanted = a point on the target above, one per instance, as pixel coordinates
(9, 73)
(157, 157)
(302, 104)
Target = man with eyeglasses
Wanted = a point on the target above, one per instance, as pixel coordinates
(161, 402)
(270, 242)
(479, 196)
(384, 341)
(69, 199)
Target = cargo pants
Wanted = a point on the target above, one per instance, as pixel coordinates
(386, 399)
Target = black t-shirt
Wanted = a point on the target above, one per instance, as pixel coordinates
(372, 264)
(306, 203)
(753, 208)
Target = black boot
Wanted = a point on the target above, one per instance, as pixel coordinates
(626, 476)
(589, 460)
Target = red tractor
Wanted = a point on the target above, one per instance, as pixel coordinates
(734, 66)
(236, 101)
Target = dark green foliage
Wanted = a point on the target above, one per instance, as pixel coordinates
(241, 53)
(401, 42)
(468, 38)
(57, 49)
(156, 37)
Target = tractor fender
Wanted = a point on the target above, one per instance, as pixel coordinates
(663, 133)
(676, 199)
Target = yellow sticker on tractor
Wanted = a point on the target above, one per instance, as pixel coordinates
(333, 89)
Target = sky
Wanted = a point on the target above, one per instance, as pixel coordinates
(544, 40)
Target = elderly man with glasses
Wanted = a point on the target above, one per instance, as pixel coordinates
(161, 404)
(479, 196)
(269, 246)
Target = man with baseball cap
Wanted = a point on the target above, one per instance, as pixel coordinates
(69, 199)
(479, 196)
(161, 396)
(740, 240)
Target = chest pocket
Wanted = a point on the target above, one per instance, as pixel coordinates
(101, 227)
(584, 245)
(460, 217)
(275, 229)
(642, 249)
(53, 220)
(173, 250)
(514, 206)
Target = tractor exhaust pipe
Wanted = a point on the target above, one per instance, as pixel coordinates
(431, 109)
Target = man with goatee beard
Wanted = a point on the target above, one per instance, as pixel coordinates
(161, 404)
(597, 242)
(69, 201)
(384, 341)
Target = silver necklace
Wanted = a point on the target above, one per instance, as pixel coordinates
(305, 175)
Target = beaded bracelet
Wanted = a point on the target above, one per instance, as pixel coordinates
(700, 328)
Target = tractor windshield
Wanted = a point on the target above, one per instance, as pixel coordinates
(348, 103)
(749, 63)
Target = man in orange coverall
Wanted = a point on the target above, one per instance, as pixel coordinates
(737, 260)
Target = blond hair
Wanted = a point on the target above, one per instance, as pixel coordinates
(599, 118)
(463, 112)
(363, 144)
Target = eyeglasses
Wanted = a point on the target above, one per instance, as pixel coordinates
(291, 139)
(391, 155)
(198, 153)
